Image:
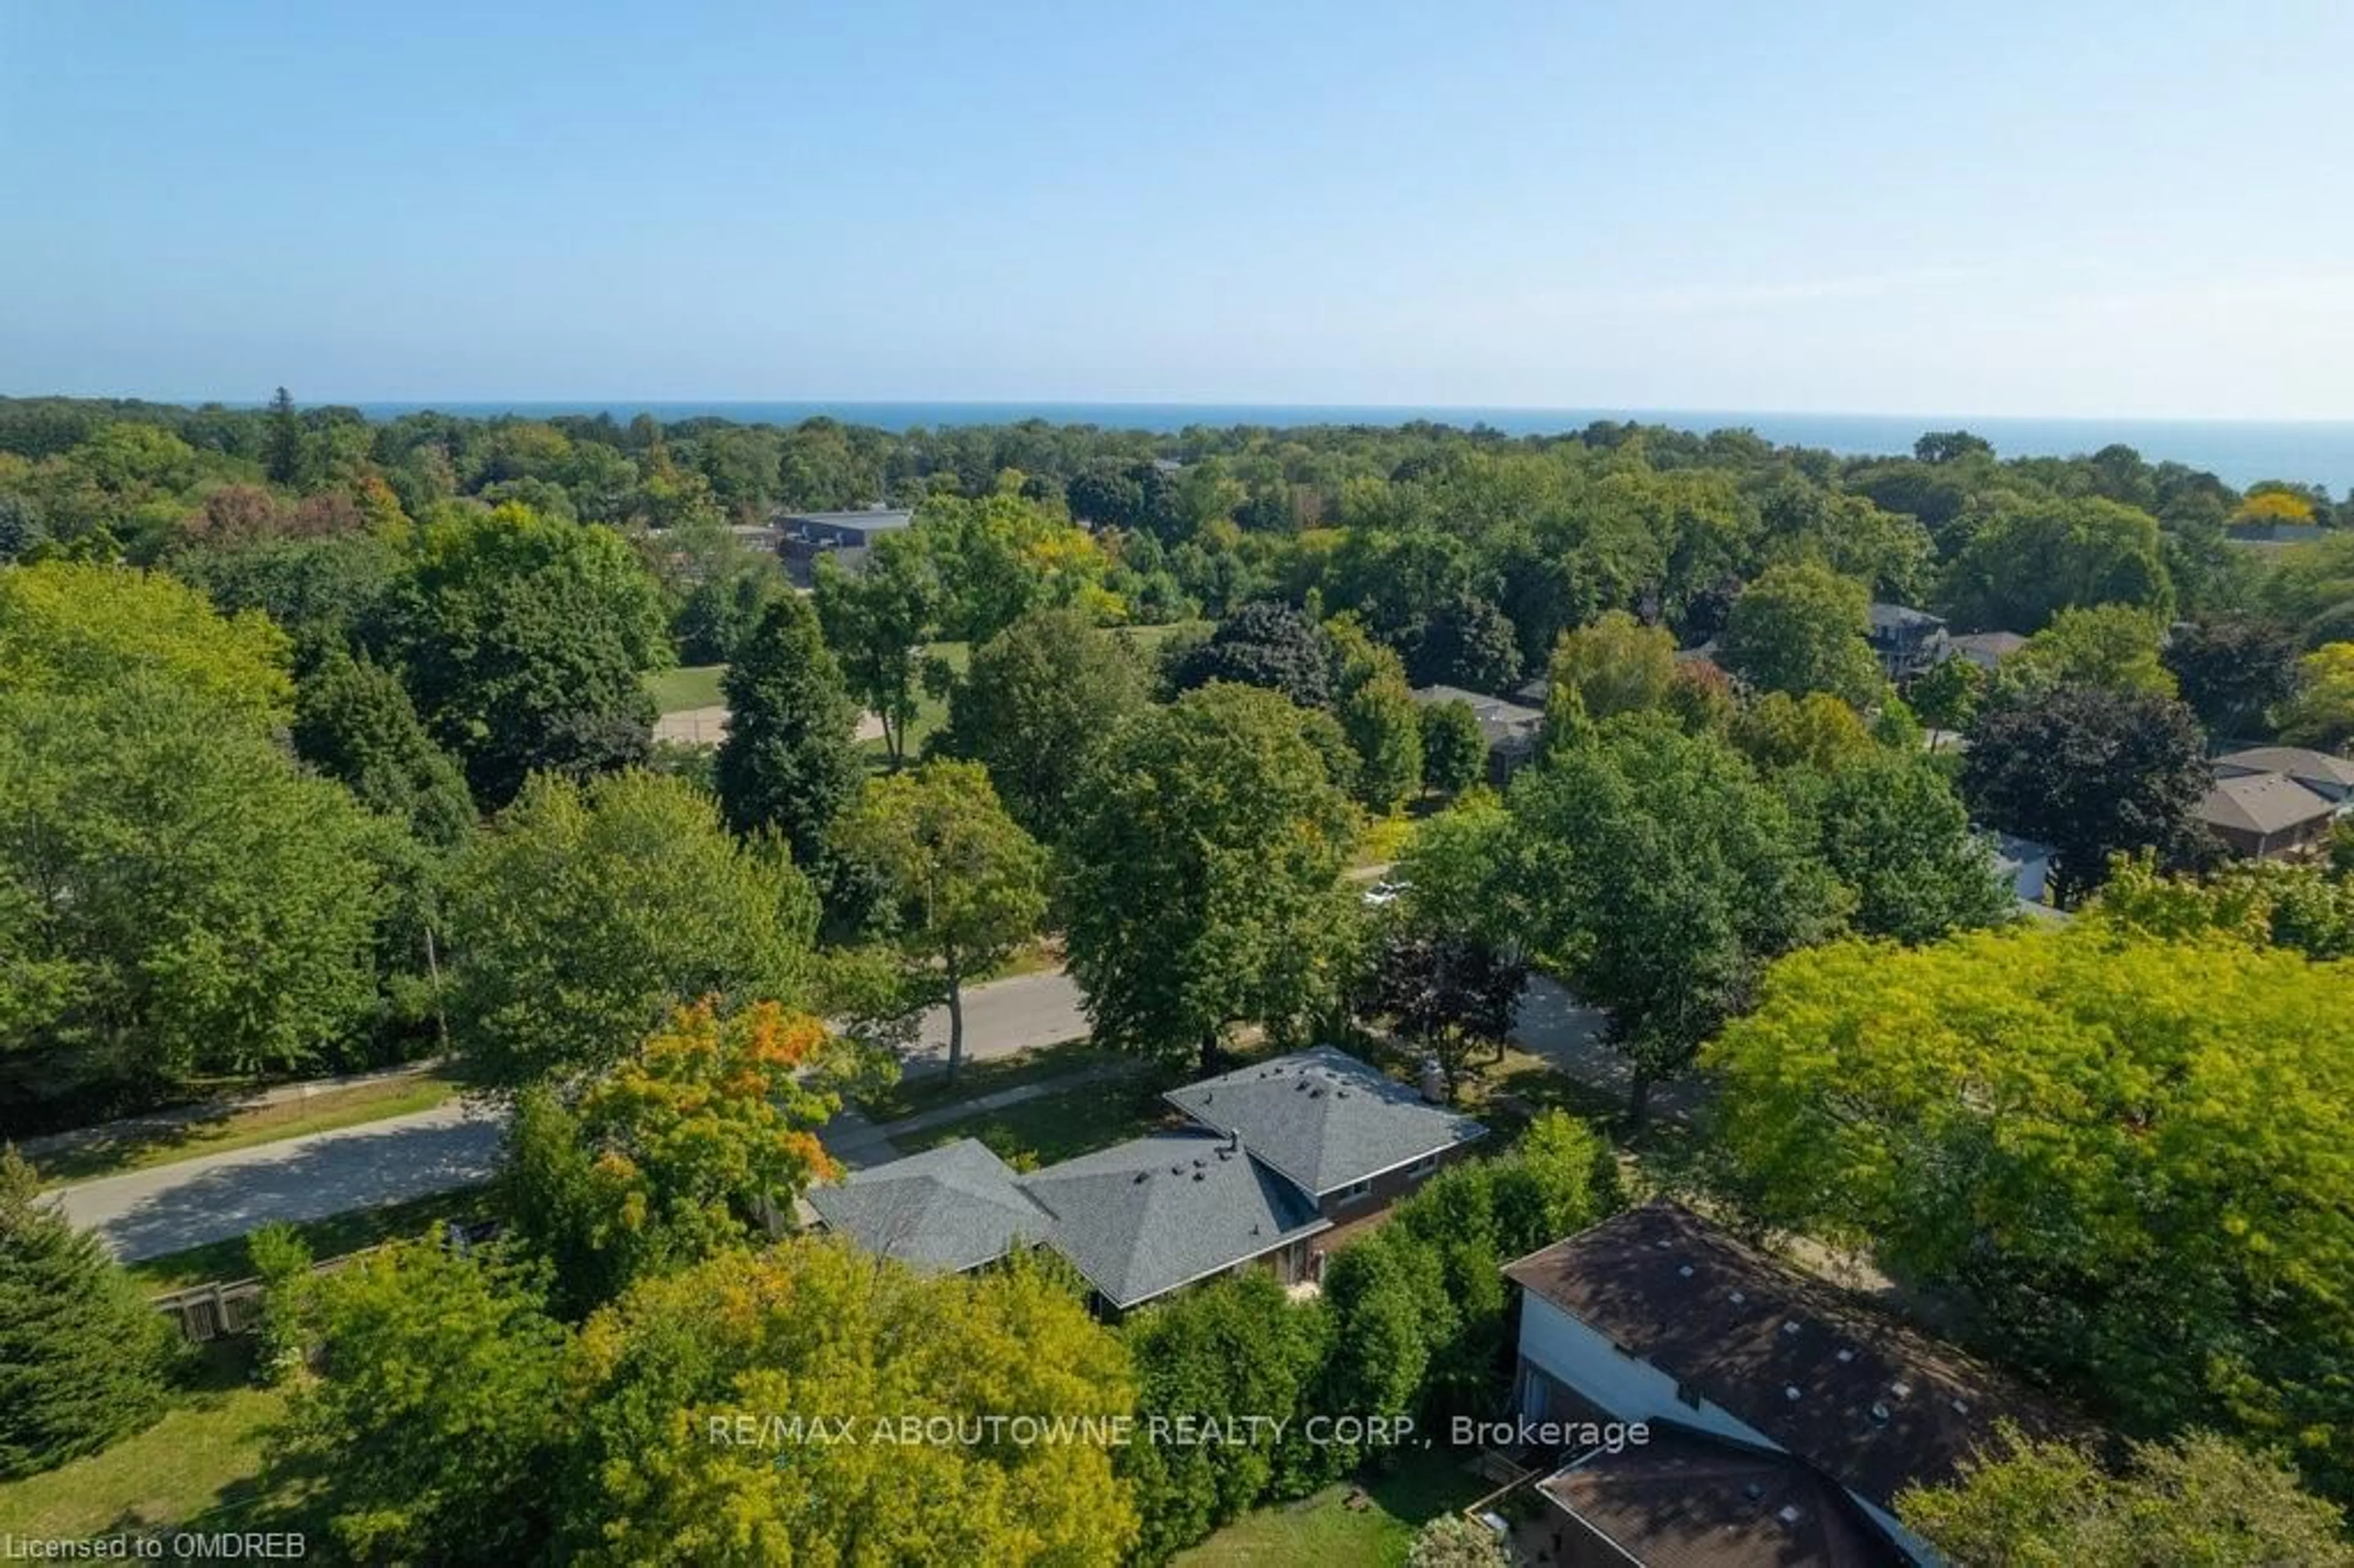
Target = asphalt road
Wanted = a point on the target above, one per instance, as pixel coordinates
(169, 1208)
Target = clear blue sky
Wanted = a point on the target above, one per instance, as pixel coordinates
(2072, 207)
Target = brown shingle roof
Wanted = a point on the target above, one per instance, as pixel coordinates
(2261, 803)
(1867, 1401)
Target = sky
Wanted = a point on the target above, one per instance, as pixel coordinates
(2057, 207)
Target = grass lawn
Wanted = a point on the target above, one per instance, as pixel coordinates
(330, 1237)
(139, 1147)
(1324, 1529)
(202, 1458)
(1054, 1128)
(930, 1091)
(931, 712)
(688, 686)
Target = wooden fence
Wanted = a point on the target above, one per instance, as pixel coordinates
(227, 1308)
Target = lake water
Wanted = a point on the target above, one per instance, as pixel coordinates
(2238, 453)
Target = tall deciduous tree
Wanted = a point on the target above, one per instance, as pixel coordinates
(1454, 746)
(1616, 665)
(877, 620)
(1037, 701)
(2093, 773)
(588, 912)
(2031, 559)
(523, 640)
(1203, 874)
(789, 763)
(82, 1355)
(1895, 832)
(1660, 875)
(354, 722)
(2233, 673)
(1268, 645)
(2128, 1155)
(1451, 995)
(2113, 646)
(1377, 712)
(1800, 629)
(2321, 714)
(963, 885)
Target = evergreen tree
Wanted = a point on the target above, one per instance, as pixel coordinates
(353, 721)
(788, 761)
(283, 455)
(83, 1356)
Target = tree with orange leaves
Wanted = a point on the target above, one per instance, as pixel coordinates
(696, 1144)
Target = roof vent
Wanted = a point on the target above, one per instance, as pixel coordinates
(1340, 1094)
(1197, 1175)
(1738, 1298)
(1684, 1271)
(1900, 1390)
(1845, 1354)
(1298, 1084)
(1790, 1514)
(1961, 1407)
(1791, 1392)
(1176, 1170)
(1142, 1176)
(1755, 1492)
(1199, 1163)
(1789, 1325)
(1878, 1414)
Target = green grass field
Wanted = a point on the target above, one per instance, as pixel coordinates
(1054, 1128)
(137, 1149)
(930, 1091)
(1324, 1528)
(688, 686)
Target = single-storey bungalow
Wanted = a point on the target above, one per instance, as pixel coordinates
(2331, 777)
(1279, 1153)
(1510, 729)
(2267, 816)
(1780, 1417)
(1984, 649)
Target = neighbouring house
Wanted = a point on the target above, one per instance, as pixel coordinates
(1906, 640)
(2331, 777)
(803, 538)
(1984, 649)
(1781, 1417)
(2267, 816)
(2261, 532)
(1282, 1152)
(2025, 864)
(1510, 729)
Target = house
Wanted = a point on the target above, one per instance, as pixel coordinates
(1984, 649)
(2025, 864)
(1279, 1153)
(804, 537)
(2267, 816)
(2266, 533)
(2331, 777)
(1510, 729)
(1906, 641)
(1780, 1417)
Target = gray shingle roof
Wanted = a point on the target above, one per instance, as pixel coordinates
(953, 1208)
(1324, 1118)
(2261, 803)
(2305, 765)
(1147, 1216)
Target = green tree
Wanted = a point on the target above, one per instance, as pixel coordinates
(1220, 806)
(1268, 645)
(877, 620)
(2321, 714)
(817, 1330)
(2198, 1500)
(1895, 832)
(2126, 1156)
(1777, 731)
(1459, 874)
(354, 722)
(1449, 995)
(523, 640)
(587, 913)
(1454, 746)
(68, 628)
(789, 763)
(1659, 876)
(2093, 773)
(1616, 665)
(281, 1261)
(1946, 699)
(962, 884)
(83, 1357)
(283, 449)
(2309, 906)
(697, 1143)
(1799, 630)
(2031, 559)
(1377, 710)
(432, 1424)
(1451, 1540)
(1037, 701)
(2233, 673)
(2113, 646)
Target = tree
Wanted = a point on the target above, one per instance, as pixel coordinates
(2031, 559)
(522, 640)
(83, 1357)
(1269, 645)
(1454, 746)
(1895, 832)
(2036, 1120)
(816, 1329)
(963, 886)
(587, 913)
(1465, 640)
(789, 763)
(1450, 995)
(2093, 773)
(673, 1155)
(877, 620)
(2233, 673)
(1616, 665)
(283, 450)
(1377, 713)
(435, 1413)
(1037, 701)
(1451, 1540)
(2309, 906)
(2321, 714)
(1459, 875)
(2197, 1499)
(1219, 808)
(1659, 876)
(2113, 646)
(354, 722)
(1946, 697)
(1951, 446)
(1777, 733)
(73, 628)
(1799, 630)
